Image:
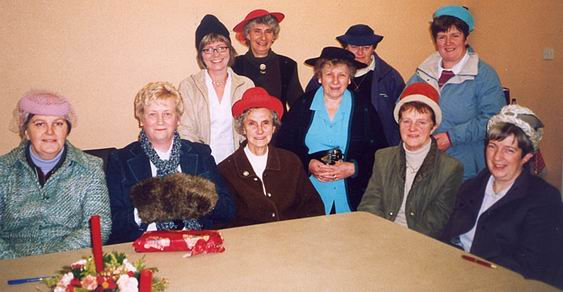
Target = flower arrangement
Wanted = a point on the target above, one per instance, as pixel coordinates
(118, 275)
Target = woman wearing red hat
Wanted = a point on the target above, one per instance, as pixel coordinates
(269, 184)
(334, 135)
(209, 94)
(48, 188)
(275, 73)
(414, 184)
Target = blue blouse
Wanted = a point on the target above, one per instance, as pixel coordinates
(324, 134)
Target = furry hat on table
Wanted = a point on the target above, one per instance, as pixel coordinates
(173, 197)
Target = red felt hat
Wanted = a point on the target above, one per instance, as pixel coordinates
(257, 97)
(421, 92)
(255, 14)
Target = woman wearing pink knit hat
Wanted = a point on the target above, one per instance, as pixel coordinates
(414, 184)
(48, 188)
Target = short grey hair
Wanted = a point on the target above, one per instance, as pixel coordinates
(239, 121)
(268, 20)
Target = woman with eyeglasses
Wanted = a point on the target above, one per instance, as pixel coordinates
(209, 94)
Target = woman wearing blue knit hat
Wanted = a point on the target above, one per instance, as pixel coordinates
(470, 90)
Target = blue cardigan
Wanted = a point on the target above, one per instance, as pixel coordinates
(129, 165)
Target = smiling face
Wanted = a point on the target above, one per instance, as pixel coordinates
(334, 79)
(362, 53)
(47, 135)
(216, 56)
(451, 46)
(159, 121)
(258, 127)
(260, 37)
(504, 159)
(415, 128)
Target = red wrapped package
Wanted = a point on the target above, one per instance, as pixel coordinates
(194, 242)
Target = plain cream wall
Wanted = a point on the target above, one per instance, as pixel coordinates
(100, 53)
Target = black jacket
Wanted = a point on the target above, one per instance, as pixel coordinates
(365, 136)
(522, 231)
(130, 165)
(291, 89)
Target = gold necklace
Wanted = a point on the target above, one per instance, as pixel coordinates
(357, 85)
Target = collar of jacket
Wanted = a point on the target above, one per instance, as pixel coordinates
(72, 156)
(429, 68)
(139, 164)
(381, 67)
(242, 164)
(427, 166)
(516, 192)
(199, 81)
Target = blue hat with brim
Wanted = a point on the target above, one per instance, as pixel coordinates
(359, 35)
(459, 12)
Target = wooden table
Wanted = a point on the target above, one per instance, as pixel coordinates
(346, 252)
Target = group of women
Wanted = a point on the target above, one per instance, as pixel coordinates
(271, 152)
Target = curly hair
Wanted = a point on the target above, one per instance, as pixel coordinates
(157, 91)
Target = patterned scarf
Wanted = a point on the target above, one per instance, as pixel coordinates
(163, 167)
(166, 167)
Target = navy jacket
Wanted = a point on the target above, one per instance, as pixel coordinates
(522, 231)
(129, 165)
(386, 87)
(365, 136)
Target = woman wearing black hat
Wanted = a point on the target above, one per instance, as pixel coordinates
(334, 135)
(378, 82)
(275, 73)
(209, 94)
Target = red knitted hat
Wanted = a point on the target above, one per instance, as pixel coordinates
(421, 92)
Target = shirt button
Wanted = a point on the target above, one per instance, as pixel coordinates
(269, 195)
(390, 213)
(273, 215)
(412, 213)
(255, 179)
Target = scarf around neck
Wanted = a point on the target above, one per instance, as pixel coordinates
(164, 167)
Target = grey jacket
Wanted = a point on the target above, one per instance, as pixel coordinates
(431, 198)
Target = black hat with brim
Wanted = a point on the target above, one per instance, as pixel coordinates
(332, 53)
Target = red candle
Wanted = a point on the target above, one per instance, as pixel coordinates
(96, 236)
(145, 284)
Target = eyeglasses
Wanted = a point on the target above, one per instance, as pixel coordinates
(219, 50)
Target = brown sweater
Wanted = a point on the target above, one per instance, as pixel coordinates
(289, 193)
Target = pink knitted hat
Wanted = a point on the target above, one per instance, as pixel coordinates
(41, 102)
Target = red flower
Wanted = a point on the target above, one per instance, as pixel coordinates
(106, 283)
(75, 282)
